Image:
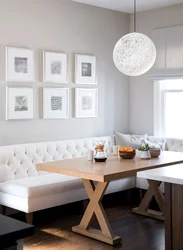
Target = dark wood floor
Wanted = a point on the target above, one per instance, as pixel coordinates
(137, 232)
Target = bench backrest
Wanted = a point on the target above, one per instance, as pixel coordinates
(19, 161)
(172, 144)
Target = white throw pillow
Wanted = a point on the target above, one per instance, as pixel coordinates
(161, 145)
(127, 140)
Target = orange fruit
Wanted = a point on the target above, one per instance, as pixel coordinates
(129, 149)
(123, 149)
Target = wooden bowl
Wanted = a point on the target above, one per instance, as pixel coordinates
(155, 152)
(127, 155)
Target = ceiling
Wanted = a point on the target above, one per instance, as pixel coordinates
(127, 5)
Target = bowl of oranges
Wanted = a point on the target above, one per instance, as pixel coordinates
(127, 152)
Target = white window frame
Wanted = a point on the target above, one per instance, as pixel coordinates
(159, 107)
(158, 110)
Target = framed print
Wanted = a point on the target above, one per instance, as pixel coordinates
(85, 69)
(55, 103)
(19, 103)
(86, 103)
(19, 64)
(54, 67)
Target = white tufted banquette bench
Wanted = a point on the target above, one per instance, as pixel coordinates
(24, 188)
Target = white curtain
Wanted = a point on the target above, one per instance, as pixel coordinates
(169, 46)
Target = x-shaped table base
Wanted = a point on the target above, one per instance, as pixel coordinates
(95, 195)
(153, 190)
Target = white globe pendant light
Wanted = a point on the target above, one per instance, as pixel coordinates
(135, 53)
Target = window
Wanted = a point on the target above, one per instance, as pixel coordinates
(168, 108)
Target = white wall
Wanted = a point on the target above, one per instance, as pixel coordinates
(73, 28)
(141, 89)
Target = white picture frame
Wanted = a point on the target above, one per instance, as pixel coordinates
(55, 103)
(19, 103)
(20, 66)
(85, 69)
(55, 67)
(86, 102)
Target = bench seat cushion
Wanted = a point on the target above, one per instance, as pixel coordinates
(43, 185)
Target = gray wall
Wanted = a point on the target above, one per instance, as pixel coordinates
(141, 89)
(73, 28)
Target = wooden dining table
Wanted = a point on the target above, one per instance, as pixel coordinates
(96, 177)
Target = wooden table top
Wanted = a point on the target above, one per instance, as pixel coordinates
(114, 168)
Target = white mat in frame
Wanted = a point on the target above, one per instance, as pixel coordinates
(55, 103)
(85, 69)
(86, 102)
(19, 103)
(20, 64)
(55, 67)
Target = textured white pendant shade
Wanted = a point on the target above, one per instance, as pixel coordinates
(134, 54)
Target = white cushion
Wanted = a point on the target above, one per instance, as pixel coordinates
(19, 161)
(161, 145)
(41, 185)
(126, 140)
(72, 192)
(172, 144)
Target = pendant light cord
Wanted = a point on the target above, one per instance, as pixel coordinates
(135, 10)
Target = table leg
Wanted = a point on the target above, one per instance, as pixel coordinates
(173, 216)
(153, 190)
(95, 195)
